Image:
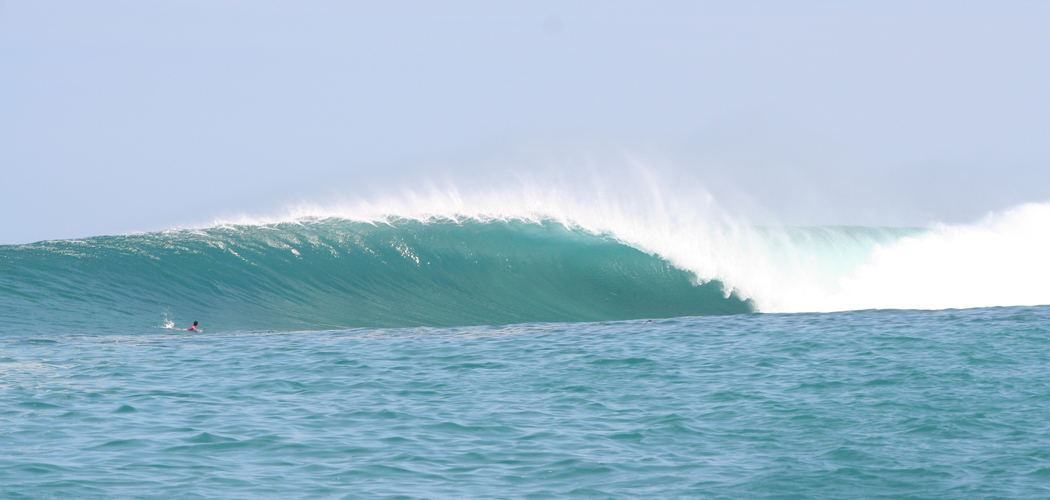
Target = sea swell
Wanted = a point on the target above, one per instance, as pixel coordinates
(336, 273)
(478, 267)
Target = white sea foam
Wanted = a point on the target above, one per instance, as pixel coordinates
(998, 261)
(1003, 260)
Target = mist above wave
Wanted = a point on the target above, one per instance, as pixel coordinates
(997, 261)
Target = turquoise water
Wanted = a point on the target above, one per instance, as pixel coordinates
(330, 273)
(345, 359)
(870, 404)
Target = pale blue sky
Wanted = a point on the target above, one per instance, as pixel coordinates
(130, 116)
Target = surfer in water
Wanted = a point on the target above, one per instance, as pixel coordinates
(192, 328)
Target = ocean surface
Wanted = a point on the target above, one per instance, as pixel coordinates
(525, 358)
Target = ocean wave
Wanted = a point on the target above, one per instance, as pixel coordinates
(336, 273)
(446, 260)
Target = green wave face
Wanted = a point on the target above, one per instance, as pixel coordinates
(331, 273)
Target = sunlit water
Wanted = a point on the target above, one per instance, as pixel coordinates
(871, 404)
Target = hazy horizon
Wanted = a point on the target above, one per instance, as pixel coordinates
(121, 117)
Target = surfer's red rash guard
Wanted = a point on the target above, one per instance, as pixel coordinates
(192, 328)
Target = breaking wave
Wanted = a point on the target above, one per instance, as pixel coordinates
(454, 263)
